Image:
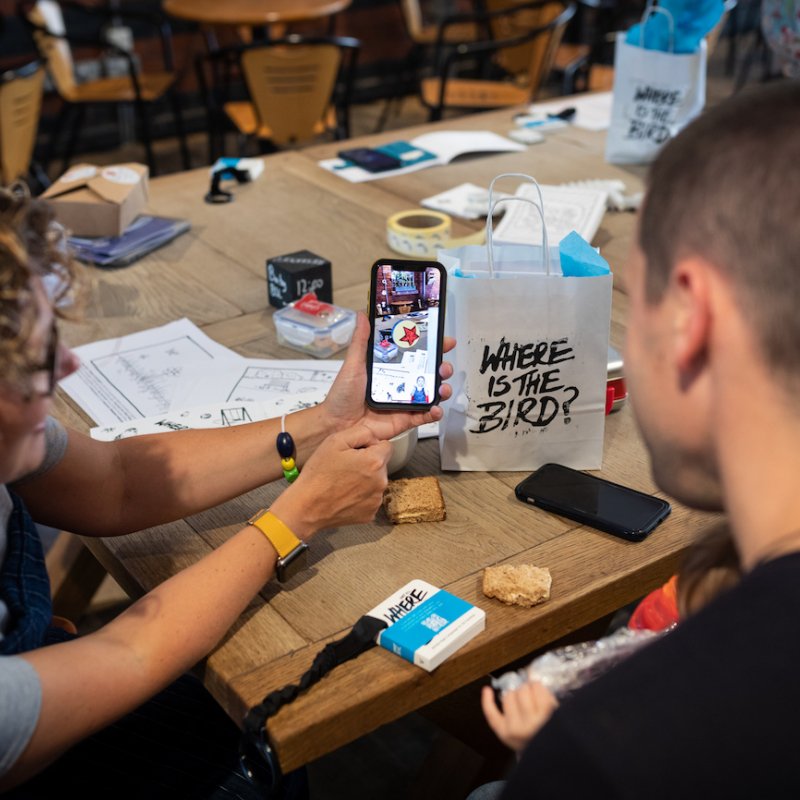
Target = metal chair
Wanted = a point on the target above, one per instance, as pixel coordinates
(510, 65)
(46, 23)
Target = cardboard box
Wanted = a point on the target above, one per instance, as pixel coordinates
(99, 201)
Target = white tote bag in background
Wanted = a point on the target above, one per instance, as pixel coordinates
(656, 94)
(530, 364)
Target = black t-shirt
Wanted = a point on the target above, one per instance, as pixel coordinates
(712, 710)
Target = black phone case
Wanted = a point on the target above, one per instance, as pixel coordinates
(660, 512)
(412, 266)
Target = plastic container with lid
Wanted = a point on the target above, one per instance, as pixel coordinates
(317, 328)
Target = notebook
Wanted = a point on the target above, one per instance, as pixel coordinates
(428, 150)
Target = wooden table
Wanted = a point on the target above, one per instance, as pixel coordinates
(252, 13)
(215, 276)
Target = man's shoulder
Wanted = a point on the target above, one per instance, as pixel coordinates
(706, 710)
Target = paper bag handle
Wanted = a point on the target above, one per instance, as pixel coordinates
(521, 175)
(658, 10)
(489, 232)
(494, 203)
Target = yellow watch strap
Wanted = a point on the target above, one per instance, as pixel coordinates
(279, 534)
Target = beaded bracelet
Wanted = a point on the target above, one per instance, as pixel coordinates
(286, 451)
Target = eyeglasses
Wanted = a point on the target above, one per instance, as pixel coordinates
(44, 375)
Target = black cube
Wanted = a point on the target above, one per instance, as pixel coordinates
(291, 276)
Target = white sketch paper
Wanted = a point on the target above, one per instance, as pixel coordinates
(137, 376)
(285, 385)
(566, 209)
(218, 416)
(592, 110)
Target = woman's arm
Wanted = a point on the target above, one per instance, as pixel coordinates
(89, 682)
(113, 488)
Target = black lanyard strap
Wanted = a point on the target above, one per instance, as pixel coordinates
(257, 755)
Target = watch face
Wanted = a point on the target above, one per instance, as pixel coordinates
(296, 561)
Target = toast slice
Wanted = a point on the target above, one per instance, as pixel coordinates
(517, 585)
(414, 500)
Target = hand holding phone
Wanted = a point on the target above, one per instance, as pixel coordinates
(404, 353)
(608, 506)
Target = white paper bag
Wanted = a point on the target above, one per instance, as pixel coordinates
(656, 94)
(531, 360)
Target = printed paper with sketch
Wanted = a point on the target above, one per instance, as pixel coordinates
(138, 375)
(285, 386)
(566, 209)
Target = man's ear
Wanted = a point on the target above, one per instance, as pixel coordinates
(692, 314)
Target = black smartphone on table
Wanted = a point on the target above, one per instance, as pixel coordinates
(406, 315)
(593, 501)
(370, 160)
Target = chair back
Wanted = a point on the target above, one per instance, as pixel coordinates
(49, 32)
(712, 39)
(20, 105)
(532, 60)
(292, 83)
(412, 16)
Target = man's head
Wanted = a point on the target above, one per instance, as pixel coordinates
(722, 194)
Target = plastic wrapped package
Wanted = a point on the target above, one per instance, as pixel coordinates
(568, 668)
(317, 328)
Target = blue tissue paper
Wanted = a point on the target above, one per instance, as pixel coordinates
(692, 19)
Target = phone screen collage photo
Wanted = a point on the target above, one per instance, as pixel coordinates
(405, 335)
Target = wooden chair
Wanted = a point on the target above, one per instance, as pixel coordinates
(513, 62)
(20, 106)
(46, 22)
(423, 30)
(298, 88)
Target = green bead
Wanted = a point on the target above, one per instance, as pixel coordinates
(288, 464)
(291, 475)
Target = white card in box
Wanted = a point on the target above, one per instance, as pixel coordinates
(427, 624)
(317, 328)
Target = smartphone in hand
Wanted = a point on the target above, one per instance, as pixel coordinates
(406, 314)
(608, 506)
(370, 160)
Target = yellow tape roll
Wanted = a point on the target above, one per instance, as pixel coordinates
(418, 233)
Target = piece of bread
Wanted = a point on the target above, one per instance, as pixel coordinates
(414, 500)
(517, 585)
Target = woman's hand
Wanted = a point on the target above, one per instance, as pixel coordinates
(345, 404)
(340, 484)
(525, 711)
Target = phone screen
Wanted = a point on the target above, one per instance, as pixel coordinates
(405, 346)
(593, 501)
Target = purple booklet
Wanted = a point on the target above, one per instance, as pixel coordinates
(141, 237)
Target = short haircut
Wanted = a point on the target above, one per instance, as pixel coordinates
(30, 245)
(726, 189)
